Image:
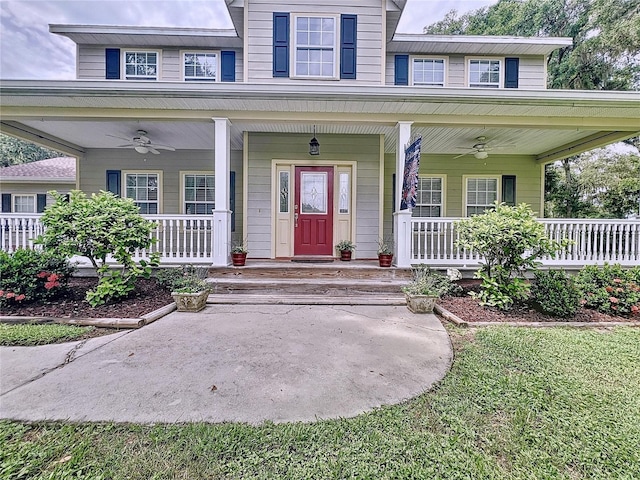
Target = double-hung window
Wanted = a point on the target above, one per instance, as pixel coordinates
(199, 193)
(428, 71)
(200, 66)
(141, 64)
(429, 197)
(485, 73)
(481, 193)
(315, 47)
(144, 189)
(24, 204)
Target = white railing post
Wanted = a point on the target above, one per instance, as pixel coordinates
(221, 238)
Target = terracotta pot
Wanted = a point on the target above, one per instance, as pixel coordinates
(190, 302)
(238, 259)
(385, 259)
(345, 255)
(421, 303)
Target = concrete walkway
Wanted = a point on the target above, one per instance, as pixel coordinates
(246, 363)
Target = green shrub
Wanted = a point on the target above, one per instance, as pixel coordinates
(185, 279)
(555, 293)
(426, 281)
(610, 289)
(28, 275)
(511, 241)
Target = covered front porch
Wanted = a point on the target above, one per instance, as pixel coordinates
(183, 239)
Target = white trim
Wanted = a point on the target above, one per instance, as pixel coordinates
(123, 184)
(26, 179)
(196, 51)
(294, 46)
(123, 63)
(467, 71)
(445, 67)
(498, 179)
(182, 174)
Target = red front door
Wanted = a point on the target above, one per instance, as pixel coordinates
(313, 211)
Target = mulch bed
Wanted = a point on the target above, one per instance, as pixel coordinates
(147, 297)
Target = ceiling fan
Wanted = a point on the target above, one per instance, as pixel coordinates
(141, 143)
(481, 148)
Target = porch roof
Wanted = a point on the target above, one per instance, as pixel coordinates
(549, 124)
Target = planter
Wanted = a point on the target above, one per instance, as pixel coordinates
(385, 259)
(421, 303)
(345, 255)
(190, 302)
(238, 259)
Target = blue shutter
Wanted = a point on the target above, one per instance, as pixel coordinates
(41, 202)
(112, 64)
(113, 182)
(232, 199)
(348, 46)
(402, 69)
(6, 202)
(509, 190)
(228, 66)
(280, 44)
(512, 66)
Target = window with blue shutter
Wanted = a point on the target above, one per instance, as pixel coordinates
(509, 190)
(41, 202)
(113, 182)
(232, 199)
(348, 46)
(402, 70)
(280, 44)
(228, 66)
(512, 65)
(6, 202)
(112, 64)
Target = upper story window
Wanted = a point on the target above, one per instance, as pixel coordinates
(315, 47)
(141, 65)
(24, 204)
(200, 66)
(485, 73)
(428, 71)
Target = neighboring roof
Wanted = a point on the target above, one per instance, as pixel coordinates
(476, 44)
(61, 169)
(148, 36)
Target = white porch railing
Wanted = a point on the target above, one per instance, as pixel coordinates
(434, 242)
(178, 238)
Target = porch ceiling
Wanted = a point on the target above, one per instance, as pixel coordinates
(548, 124)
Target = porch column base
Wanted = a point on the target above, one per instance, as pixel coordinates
(221, 238)
(402, 234)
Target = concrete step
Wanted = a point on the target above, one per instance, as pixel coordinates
(285, 299)
(306, 286)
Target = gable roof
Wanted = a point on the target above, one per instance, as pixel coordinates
(61, 169)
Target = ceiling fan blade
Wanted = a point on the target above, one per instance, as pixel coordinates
(463, 154)
(163, 147)
(118, 137)
(153, 150)
(126, 145)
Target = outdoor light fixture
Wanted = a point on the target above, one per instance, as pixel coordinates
(481, 154)
(314, 145)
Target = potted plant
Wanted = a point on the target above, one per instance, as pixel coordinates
(385, 252)
(239, 254)
(346, 248)
(426, 287)
(187, 285)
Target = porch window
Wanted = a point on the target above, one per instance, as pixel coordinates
(430, 198)
(24, 204)
(345, 193)
(200, 66)
(283, 188)
(199, 193)
(481, 193)
(141, 65)
(315, 47)
(428, 71)
(485, 73)
(144, 190)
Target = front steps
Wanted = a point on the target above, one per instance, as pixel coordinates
(283, 282)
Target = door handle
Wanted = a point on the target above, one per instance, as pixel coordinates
(295, 220)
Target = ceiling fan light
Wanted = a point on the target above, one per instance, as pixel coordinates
(481, 155)
(141, 149)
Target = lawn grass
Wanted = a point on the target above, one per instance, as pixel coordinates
(29, 334)
(519, 403)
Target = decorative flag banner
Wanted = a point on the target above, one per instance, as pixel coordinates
(410, 180)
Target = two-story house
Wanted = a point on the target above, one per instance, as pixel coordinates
(290, 130)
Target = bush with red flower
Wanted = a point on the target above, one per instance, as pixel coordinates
(611, 289)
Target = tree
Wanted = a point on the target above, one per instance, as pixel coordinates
(14, 151)
(99, 227)
(605, 54)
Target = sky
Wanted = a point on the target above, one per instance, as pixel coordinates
(29, 51)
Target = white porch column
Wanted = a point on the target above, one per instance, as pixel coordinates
(221, 241)
(402, 218)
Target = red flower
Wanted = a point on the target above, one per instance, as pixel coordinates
(609, 289)
(42, 274)
(1, 293)
(53, 277)
(617, 280)
(613, 299)
(21, 297)
(10, 295)
(635, 309)
(50, 285)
